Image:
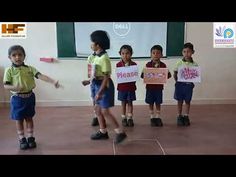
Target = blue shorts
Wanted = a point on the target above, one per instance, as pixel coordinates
(153, 96)
(183, 91)
(128, 96)
(22, 108)
(92, 89)
(107, 99)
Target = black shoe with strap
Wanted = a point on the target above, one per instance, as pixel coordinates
(31, 142)
(99, 136)
(23, 144)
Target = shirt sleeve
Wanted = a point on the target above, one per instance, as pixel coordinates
(176, 66)
(7, 78)
(34, 71)
(106, 66)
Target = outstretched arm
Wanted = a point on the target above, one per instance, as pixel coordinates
(49, 80)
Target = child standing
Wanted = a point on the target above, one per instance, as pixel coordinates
(154, 91)
(103, 91)
(19, 79)
(184, 90)
(126, 91)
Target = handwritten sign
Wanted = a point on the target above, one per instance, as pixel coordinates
(189, 74)
(127, 74)
(155, 75)
(91, 70)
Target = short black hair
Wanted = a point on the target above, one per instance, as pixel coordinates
(157, 47)
(101, 38)
(128, 47)
(14, 48)
(189, 45)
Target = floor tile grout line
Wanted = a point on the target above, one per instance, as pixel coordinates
(114, 148)
(162, 149)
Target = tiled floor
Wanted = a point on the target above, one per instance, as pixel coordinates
(67, 130)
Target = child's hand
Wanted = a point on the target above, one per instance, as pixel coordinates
(56, 84)
(85, 82)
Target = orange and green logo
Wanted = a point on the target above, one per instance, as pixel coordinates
(13, 30)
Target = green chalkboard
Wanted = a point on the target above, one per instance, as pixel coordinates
(175, 38)
(66, 39)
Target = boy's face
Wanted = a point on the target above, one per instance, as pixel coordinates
(17, 57)
(94, 46)
(187, 53)
(125, 55)
(156, 55)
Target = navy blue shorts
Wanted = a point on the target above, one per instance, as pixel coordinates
(107, 99)
(128, 96)
(183, 91)
(92, 88)
(153, 96)
(22, 108)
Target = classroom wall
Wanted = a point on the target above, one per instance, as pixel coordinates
(218, 79)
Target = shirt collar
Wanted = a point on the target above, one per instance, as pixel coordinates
(99, 54)
(14, 65)
(191, 60)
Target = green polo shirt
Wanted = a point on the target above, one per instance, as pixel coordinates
(184, 63)
(102, 64)
(22, 76)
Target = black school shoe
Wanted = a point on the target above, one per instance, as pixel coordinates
(180, 120)
(159, 122)
(99, 136)
(23, 144)
(95, 121)
(120, 137)
(186, 120)
(31, 142)
(125, 122)
(130, 123)
(156, 122)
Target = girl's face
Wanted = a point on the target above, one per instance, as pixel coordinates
(17, 57)
(187, 53)
(156, 55)
(125, 55)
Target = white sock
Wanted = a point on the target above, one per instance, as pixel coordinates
(129, 115)
(158, 114)
(103, 130)
(123, 116)
(30, 132)
(95, 115)
(118, 130)
(20, 134)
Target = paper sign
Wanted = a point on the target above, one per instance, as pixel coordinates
(189, 74)
(91, 70)
(155, 75)
(127, 74)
